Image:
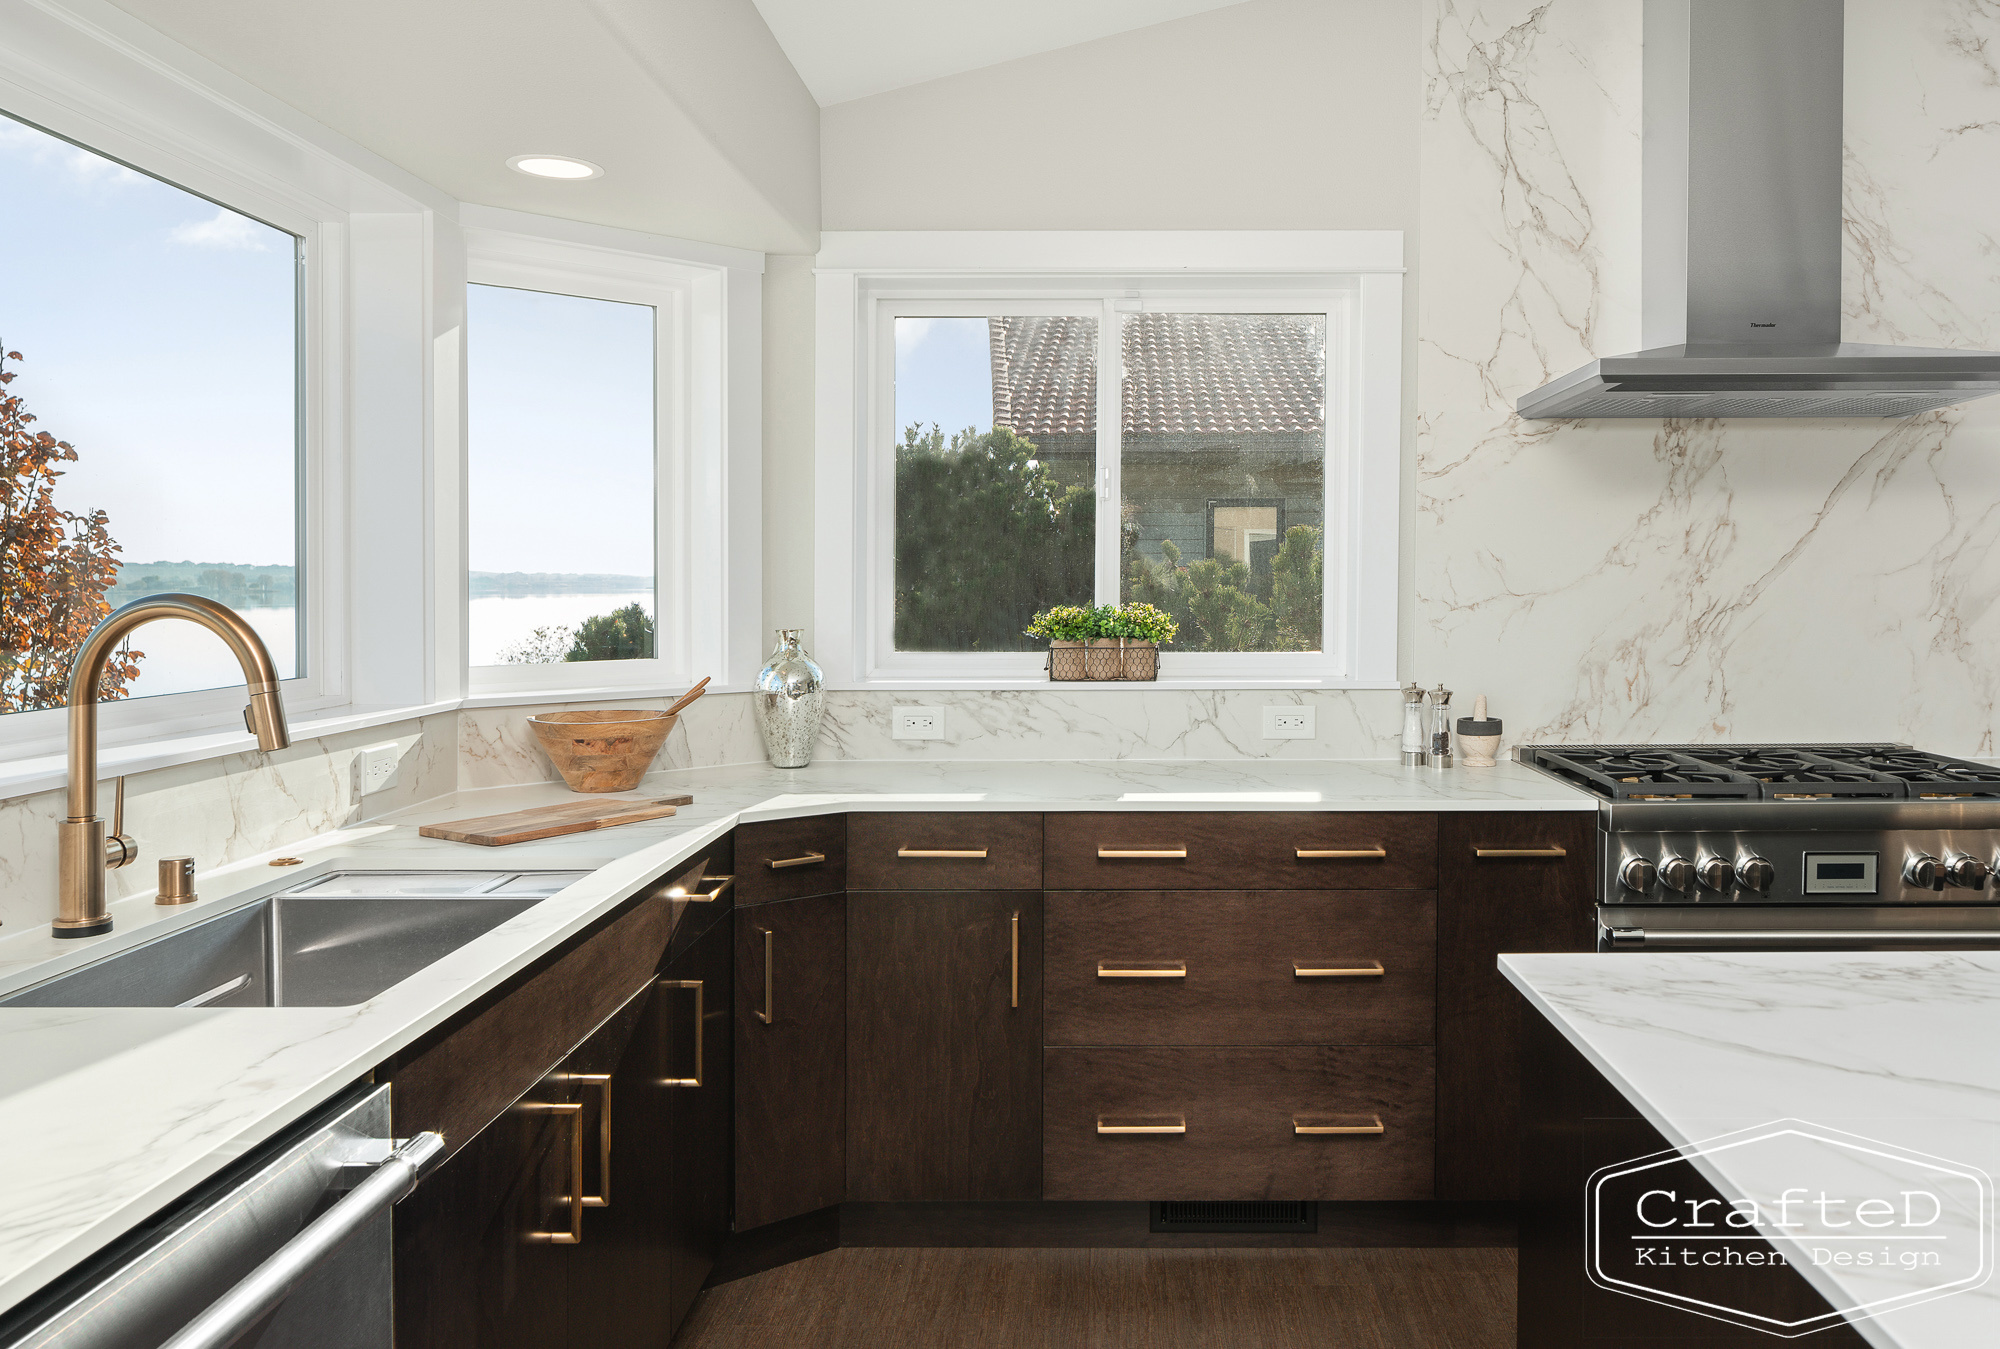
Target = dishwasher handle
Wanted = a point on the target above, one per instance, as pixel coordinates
(230, 1315)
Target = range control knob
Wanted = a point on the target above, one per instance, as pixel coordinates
(1922, 871)
(1755, 873)
(1967, 873)
(1676, 872)
(1636, 873)
(1714, 873)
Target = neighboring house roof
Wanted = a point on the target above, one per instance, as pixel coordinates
(1185, 374)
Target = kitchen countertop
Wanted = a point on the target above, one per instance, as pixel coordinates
(108, 1115)
(1898, 1047)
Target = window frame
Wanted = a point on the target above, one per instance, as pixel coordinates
(865, 281)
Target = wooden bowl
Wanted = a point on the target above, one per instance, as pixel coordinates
(605, 751)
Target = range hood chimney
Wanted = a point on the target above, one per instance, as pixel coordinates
(1741, 236)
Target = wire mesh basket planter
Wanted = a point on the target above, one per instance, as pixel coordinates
(1105, 658)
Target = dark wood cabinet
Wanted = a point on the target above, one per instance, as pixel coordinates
(1307, 850)
(944, 850)
(791, 1056)
(1520, 896)
(789, 859)
(944, 1045)
(695, 998)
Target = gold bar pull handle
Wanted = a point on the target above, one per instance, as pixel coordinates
(1337, 1124)
(1519, 852)
(1142, 854)
(699, 1035)
(574, 1198)
(1142, 1124)
(1334, 854)
(721, 884)
(602, 1081)
(958, 854)
(765, 1015)
(1353, 969)
(1142, 969)
(1014, 940)
(811, 859)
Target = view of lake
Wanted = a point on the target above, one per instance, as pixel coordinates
(498, 622)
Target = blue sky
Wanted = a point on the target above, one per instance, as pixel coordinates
(559, 433)
(158, 332)
(944, 374)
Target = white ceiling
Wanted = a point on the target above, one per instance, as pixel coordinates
(845, 49)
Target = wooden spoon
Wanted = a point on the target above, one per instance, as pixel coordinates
(690, 696)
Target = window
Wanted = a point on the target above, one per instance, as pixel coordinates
(155, 337)
(1222, 444)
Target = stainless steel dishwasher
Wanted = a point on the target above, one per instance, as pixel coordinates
(289, 1251)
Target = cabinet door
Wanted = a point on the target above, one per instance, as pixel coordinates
(791, 1057)
(1486, 906)
(944, 1018)
(697, 985)
(475, 1268)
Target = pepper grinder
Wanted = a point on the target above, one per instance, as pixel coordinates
(1479, 735)
(1440, 727)
(1413, 726)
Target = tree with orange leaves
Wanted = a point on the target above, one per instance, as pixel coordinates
(55, 567)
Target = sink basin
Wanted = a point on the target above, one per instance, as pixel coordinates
(330, 942)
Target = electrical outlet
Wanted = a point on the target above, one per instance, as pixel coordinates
(1289, 723)
(378, 767)
(917, 723)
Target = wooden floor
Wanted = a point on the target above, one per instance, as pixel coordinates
(1340, 1298)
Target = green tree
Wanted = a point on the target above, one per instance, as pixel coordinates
(985, 538)
(1216, 600)
(623, 634)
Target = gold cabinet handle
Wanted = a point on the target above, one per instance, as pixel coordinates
(765, 1015)
(962, 854)
(1336, 1124)
(1142, 969)
(1142, 1124)
(1519, 852)
(575, 1196)
(721, 884)
(1360, 969)
(1140, 854)
(811, 859)
(1014, 940)
(699, 1015)
(1319, 854)
(602, 1081)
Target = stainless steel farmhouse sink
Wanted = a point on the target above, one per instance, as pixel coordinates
(331, 941)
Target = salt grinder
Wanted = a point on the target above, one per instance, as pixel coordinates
(1414, 736)
(1440, 727)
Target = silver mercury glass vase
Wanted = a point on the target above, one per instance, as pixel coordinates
(790, 702)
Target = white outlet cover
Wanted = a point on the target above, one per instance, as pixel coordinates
(1290, 723)
(378, 767)
(917, 723)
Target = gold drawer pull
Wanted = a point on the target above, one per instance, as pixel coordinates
(964, 854)
(1361, 969)
(602, 1081)
(721, 884)
(1014, 940)
(1519, 852)
(1142, 1124)
(1142, 969)
(811, 859)
(1141, 854)
(1315, 854)
(1336, 1124)
(574, 1199)
(699, 1015)
(765, 1015)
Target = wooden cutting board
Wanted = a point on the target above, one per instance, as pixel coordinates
(572, 817)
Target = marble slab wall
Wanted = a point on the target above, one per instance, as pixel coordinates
(1699, 580)
(224, 809)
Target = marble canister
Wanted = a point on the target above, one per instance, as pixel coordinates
(790, 702)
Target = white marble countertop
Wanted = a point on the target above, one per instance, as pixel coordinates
(108, 1115)
(1898, 1047)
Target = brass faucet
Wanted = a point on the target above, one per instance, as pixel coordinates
(86, 851)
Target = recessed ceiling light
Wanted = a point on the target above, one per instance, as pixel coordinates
(554, 166)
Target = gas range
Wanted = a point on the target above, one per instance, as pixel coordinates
(1788, 846)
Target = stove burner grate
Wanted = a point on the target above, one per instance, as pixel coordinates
(1766, 772)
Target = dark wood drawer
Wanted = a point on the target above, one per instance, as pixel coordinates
(790, 859)
(1261, 967)
(1310, 850)
(930, 851)
(1242, 1111)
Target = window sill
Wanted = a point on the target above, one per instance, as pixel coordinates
(1042, 683)
(45, 772)
(592, 693)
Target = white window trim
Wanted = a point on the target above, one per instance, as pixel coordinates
(863, 278)
(707, 303)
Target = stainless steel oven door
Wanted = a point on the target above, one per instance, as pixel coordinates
(1797, 927)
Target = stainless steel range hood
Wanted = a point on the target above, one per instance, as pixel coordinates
(1741, 236)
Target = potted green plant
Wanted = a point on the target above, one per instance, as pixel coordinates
(1105, 657)
(1144, 629)
(1067, 628)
